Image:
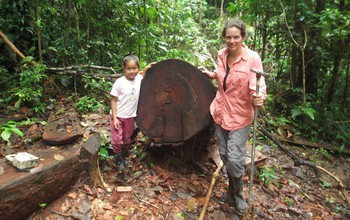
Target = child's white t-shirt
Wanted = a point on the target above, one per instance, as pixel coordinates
(128, 93)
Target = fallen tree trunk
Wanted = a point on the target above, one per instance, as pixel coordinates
(22, 192)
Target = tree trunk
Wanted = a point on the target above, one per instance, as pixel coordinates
(66, 30)
(22, 192)
(88, 13)
(333, 81)
(222, 9)
(346, 86)
(312, 55)
(339, 53)
(77, 28)
(200, 18)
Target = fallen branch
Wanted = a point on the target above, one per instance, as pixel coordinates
(207, 198)
(310, 144)
(81, 72)
(298, 161)
(342, 188)
(62, 69)
(135, 177)
(61, 214)
(140, 200)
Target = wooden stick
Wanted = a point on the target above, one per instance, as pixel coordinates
(339, 182)
(207, 199)
(11, 45)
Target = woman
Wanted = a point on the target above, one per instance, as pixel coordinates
(233, 107)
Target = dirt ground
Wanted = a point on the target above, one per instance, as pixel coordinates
(172, 182)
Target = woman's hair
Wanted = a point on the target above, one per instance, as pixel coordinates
(130, 57)
(235, 22)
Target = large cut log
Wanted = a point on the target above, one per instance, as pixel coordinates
(22, 192)
(174, 102)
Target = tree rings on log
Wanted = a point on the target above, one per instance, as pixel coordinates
(174, 102)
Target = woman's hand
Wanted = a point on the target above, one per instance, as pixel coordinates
(257, 100)
(204, 70)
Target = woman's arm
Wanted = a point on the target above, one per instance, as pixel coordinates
(207, 72)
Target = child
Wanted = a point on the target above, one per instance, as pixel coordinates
(125, 95)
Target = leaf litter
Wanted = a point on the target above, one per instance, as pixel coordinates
(164, 185)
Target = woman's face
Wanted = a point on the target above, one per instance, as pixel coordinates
(130, 69)
(233, 39)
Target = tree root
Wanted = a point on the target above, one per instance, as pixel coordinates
(298, 161)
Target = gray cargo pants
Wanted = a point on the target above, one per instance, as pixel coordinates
(232, 148)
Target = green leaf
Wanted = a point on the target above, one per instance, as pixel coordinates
(18, 103)
(53, 49)
(17, 131)
(310, 112)
(42, 205)
(27, 59)
(104, 152)
(296, 112)
(38, 23)
(6, 134)
(118, 217)
(163, 48)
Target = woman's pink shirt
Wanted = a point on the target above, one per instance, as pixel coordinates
(233, 109)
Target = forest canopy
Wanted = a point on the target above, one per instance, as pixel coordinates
(72, 47)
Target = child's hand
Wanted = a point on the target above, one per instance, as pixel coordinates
(116, 123)
(143, 73)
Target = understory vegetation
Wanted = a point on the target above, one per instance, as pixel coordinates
(304, 46)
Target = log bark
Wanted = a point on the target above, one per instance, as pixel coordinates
(22, 192)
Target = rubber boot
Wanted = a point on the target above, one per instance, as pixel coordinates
(119, 162)
(124, 157)
(228, 196)
(238, 195)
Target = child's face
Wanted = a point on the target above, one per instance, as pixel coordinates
(130, 69)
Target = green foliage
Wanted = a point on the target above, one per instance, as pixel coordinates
(180, 215)
(268, 175)
(42, 205)
(8, 129)
(326, 184)
(105, 147)
(187, 30)
(30, 88)
(301, 110)
(118, 217)
(289, 201)
(88, 104)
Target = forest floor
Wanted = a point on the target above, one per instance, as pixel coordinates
(167, 183)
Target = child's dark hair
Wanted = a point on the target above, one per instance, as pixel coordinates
(235, 22)
(130, 57)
